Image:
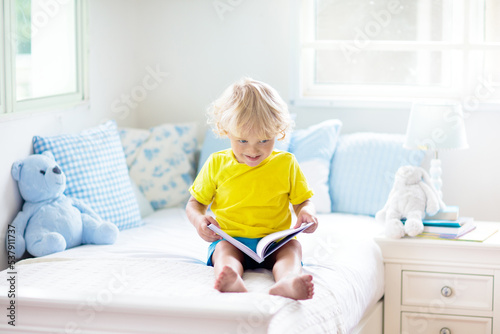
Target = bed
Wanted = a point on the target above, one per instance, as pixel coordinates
(154, 280)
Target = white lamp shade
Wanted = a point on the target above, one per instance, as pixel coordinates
(436, 126)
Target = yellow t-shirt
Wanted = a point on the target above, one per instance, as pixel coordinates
(251, 202)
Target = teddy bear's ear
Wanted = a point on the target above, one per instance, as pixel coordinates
(49, 154)
(16, 169)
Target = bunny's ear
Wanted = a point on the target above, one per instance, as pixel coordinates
(426, 176)
(428, 181)
(16, 169)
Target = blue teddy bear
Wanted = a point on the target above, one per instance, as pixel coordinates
(49, 221)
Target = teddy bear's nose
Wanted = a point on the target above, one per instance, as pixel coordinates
(56, 170)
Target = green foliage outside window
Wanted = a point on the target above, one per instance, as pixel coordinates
(23, 21)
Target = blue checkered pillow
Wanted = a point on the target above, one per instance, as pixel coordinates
(96, 172)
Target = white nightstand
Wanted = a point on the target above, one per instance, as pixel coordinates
(442, 286)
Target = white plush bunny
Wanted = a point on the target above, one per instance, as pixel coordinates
(411, 197)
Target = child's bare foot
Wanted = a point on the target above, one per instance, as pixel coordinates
(229, 281)
(298, 287)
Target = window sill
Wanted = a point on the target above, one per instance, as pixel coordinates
(26, 114)
(386, 104)
(349, 103)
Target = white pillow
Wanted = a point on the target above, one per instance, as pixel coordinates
(132, 140)
(161, 161)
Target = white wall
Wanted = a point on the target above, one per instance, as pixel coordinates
(112, 63)
(204, 53)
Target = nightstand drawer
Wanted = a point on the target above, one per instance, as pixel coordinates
(413, 323)
(438, 291)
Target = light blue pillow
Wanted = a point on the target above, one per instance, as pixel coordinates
(96, 172)
(363, 169)
(213, 144)
(314, 148)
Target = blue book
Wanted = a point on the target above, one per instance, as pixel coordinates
(448, 213)
(448, 223)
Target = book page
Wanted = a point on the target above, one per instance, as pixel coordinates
(265, 246)
(245, 249)
(270, 242)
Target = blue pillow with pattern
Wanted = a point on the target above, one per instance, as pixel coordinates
(161, 161)
(96, 172)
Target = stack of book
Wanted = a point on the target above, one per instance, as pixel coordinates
(447, 224)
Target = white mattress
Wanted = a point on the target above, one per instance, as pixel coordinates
(164, 260)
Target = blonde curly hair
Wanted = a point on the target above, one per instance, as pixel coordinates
(250, 106)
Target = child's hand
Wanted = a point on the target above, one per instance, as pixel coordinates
(196, 213)
(203, 230)
(306, 214)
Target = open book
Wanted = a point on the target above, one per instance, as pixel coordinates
(266, 245)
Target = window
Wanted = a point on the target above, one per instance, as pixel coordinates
(398, 50)
(43, 60)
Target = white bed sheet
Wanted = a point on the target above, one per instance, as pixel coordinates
(165, 260)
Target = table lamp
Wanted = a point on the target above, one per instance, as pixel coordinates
(436, 126)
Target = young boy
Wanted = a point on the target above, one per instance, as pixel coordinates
(249, 188)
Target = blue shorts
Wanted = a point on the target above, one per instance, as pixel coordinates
(249, 263)
(249, 242)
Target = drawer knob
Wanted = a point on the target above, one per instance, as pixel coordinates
(446, 291)
(445, 330)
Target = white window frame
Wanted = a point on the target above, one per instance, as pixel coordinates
(9, 104)
(305, 92)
